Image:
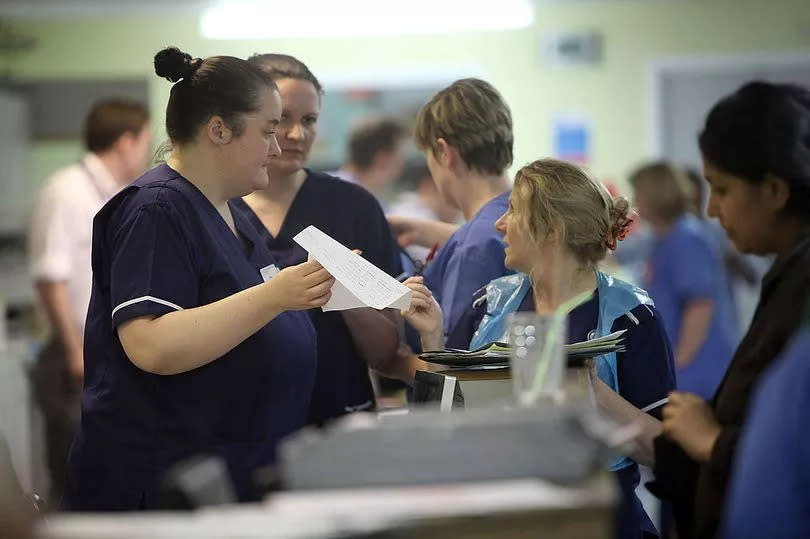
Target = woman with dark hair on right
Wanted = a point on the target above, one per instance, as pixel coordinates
(756, 158)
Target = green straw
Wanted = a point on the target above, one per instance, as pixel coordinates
(557, 320)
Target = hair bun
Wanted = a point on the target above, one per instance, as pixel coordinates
(173, 64)
(620, 221)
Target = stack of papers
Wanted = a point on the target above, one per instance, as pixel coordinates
(497, 353)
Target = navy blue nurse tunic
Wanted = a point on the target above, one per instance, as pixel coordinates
(160, 246)
(352, 216)
(645, 372)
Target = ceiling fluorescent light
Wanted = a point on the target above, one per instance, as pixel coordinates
(269, 19)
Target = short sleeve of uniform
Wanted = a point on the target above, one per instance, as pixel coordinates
(692, 268)
(153, 269)
(470, 268)
(646, 370)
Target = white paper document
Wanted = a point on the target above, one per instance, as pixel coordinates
(358, 282)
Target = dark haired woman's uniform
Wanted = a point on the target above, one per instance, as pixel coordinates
(160, 246)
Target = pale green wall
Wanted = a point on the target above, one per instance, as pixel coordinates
(613, 95)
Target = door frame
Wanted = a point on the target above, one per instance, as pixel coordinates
(662, 66)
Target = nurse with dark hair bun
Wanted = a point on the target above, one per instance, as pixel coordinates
(189, 348)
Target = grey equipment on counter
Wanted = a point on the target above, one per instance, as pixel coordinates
(561, 444)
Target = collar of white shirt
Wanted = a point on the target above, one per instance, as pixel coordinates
(101, 177)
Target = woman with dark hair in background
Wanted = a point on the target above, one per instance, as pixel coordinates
(187, 350)
(756, 158)
(295, 197)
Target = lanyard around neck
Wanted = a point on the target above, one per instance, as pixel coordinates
(94, 181)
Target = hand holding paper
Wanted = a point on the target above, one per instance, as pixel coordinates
(358, 282)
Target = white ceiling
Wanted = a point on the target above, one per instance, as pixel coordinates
(84, 8)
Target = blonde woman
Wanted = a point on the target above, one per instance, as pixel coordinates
(686, 277)
(559, 225)
(295, 197)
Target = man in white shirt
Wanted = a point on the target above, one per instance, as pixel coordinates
(376, 154)
(116, 135)
(420, 199)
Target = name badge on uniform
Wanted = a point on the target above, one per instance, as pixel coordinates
(268, 272)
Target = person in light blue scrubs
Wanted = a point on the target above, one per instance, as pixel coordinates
(465, 131)
(686, 277)
(190, 349)
(774, 453)
(559, 225)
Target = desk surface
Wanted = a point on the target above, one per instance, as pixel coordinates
(503, 509)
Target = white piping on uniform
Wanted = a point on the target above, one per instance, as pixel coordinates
(358, 407)
(147, 298)
(655, 405)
